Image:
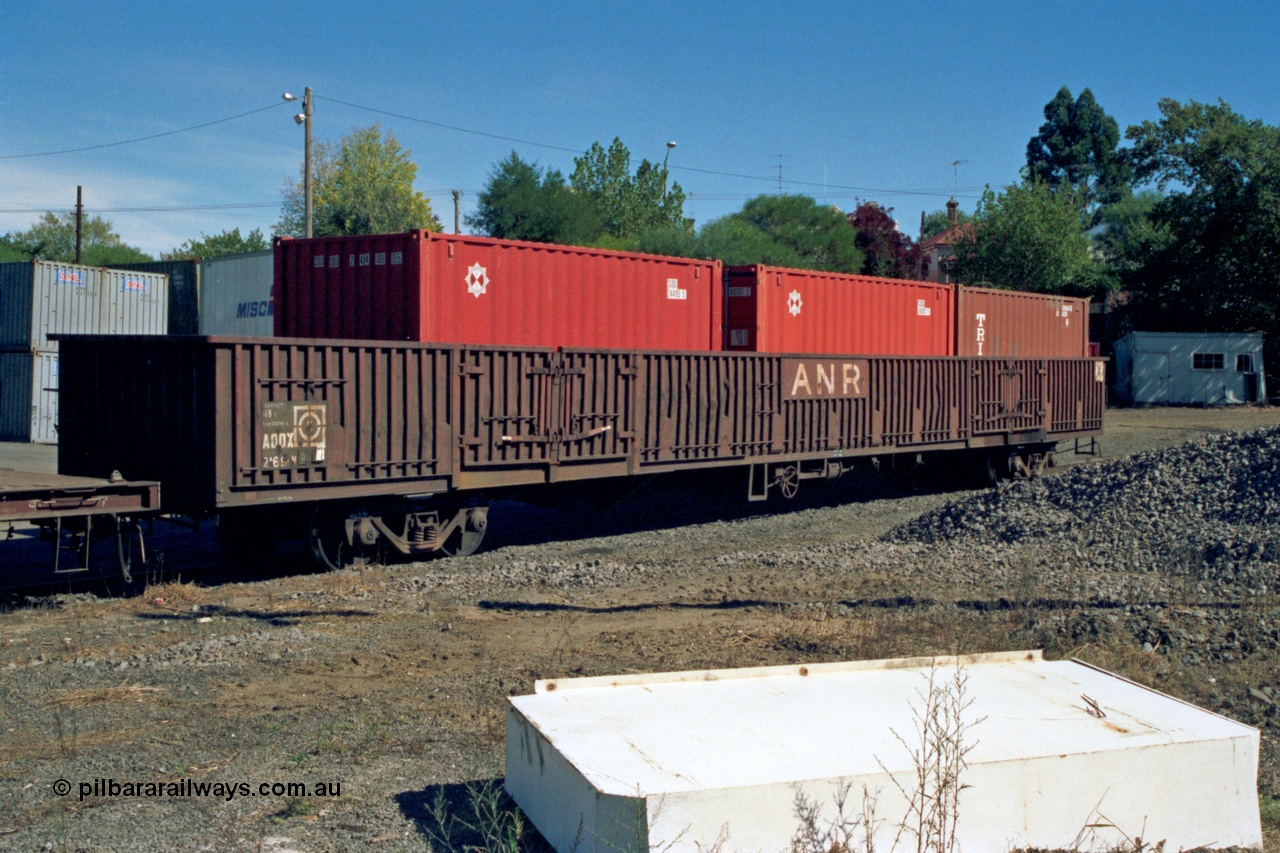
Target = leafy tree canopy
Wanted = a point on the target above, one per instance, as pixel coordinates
(820, 236)
(223, 243)
(627, 203)
(520, 203)
(938, 221)
(53, 238)
(1027, 238)
(1076, 151)
(1217, 268)
(361, 185)
(888, 252)
(1131, 238)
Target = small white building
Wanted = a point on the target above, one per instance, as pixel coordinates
(1190, 368)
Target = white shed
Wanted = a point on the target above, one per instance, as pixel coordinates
(1063, 755)
(1190, 368)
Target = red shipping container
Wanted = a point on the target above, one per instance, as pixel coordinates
(1013, 324)
(458, 289)
(771, 309)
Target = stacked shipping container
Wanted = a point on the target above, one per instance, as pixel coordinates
(39, 299)
(441, 288)
(1012, 324)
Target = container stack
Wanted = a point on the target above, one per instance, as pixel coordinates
(42, 299)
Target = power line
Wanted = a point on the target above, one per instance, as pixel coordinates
(240, 206)
(450, 126)
(923, 192)
(140, 138)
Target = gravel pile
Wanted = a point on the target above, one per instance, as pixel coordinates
(1208, 511)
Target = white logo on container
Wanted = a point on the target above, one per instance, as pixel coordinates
(477, 280)
(794, 303)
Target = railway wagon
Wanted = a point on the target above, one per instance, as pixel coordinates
(364, 445)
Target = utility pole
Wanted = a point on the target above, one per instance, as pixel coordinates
(457, 194)
(304, 118)
(780, 192)
(306, 156)
(79, 222)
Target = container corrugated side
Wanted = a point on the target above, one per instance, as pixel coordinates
(184, 292)
(134, 303)
(29, 397)
(235, 295)
(43, 298)
(1013, 324)
(773, 309)
(439, 288)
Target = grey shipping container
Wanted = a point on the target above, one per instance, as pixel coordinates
(235, 295)
(184, 292)
(134, 303)
(43, 298)
(29, 397)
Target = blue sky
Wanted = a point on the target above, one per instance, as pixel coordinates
(863, 100)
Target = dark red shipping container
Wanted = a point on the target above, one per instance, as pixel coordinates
(772, 309)
(1012, 324)
(457, 289)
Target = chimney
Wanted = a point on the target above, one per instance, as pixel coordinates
(953, 208)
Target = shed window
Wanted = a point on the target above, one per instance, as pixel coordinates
(1244, 363)
(1208, 360)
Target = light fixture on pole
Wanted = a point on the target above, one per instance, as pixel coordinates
(670, 145)
(304, 118)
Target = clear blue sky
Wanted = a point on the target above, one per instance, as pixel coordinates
(863, 100)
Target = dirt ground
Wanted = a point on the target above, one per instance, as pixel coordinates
(390, 681)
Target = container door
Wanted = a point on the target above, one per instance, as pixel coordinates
(44, 408)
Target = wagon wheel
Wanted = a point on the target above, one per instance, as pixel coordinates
(466, 538)
(327, 536)
(789, 481)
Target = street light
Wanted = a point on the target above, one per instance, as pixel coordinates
(304, 118)
(670, 145)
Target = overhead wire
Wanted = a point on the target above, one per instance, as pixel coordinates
(140, 138)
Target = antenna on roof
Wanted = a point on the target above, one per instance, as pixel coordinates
(955, 177)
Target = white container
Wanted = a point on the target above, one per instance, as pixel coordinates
(134, 303)
(235, 295)
(678, 761)
(40, 298)
(29, 397)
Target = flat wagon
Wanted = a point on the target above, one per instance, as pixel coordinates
(365, 445)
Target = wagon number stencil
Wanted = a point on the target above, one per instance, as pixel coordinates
(293, 435)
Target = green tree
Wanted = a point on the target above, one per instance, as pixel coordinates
(361, 185)
(1027, 238)
(819, 236)
(938, 221)
(628, 203)
(1076, 151)
(11, 251)
(1131, 238)
(520, 203)
(53, 238)
(738, 242)
(1218, 268)
(223, 243)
